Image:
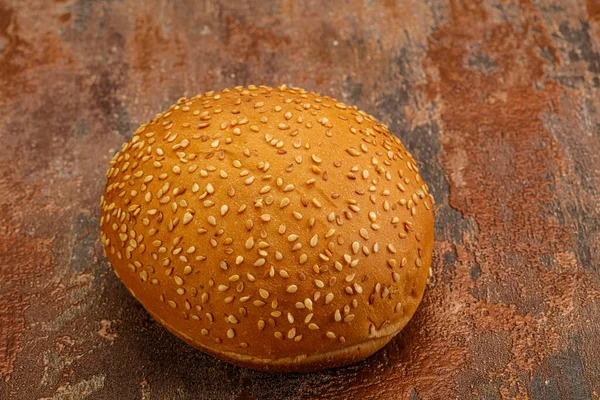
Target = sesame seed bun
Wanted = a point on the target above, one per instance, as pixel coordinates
(270, 227)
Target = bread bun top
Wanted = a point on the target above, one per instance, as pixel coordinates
(269, 223)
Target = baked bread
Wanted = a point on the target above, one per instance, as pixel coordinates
(273, 228)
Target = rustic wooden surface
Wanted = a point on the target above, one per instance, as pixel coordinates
(499, 100)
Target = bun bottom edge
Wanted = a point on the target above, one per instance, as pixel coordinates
(304, 363)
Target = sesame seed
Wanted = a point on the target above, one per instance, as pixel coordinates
(314, 240)
(313, 326)
(284, 202)
(205, 297)
(223, 265)
(353, 152)
(187, 270)
(230, 333)
(263, 293)
(187, 218)
(143, 274)
(364, 233)
(308, 303)
(261, 325)
(337, 315)
(250, 243)
(292, 289)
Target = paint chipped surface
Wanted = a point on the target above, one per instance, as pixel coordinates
(504, 118)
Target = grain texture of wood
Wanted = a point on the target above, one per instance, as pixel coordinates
(499, 100)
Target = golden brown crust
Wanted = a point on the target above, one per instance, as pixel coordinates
(274, 228)
(301, 362)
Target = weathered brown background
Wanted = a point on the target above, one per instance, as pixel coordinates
(499, 100)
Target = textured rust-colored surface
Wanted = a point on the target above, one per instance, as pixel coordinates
(503, 116)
